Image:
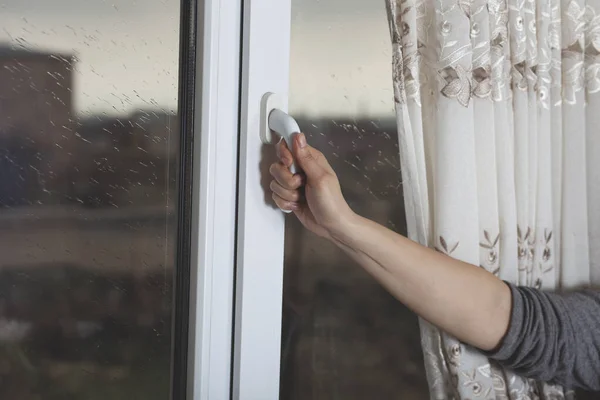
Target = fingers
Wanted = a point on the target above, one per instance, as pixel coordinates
(285, 204)
(285, 186)
(312, 161)
(294, 196)
(284, 154)
(284, 177)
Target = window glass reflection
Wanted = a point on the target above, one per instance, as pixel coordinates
(344, 337)
(88, 147)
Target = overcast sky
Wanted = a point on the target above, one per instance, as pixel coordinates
(128, 51)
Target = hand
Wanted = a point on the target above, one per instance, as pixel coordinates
(314, 196)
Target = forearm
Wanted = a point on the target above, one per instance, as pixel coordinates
(464, 300)
(369, 265)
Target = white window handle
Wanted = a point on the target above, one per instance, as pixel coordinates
(274, 120)
(285, 126)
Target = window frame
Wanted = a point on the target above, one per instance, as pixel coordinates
(213, 188)
(237, 235)
(265, 67)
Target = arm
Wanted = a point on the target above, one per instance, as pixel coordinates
(541, 335)
(463, 300)
(552, 337)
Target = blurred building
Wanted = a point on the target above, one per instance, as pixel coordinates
(48, 155)
(35, 113)
(128, 160)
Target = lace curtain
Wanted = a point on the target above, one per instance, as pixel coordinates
(499, 122)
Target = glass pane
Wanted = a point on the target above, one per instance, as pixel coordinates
(88, 148)
(344, 337)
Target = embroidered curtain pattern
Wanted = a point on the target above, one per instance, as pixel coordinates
(499, 124)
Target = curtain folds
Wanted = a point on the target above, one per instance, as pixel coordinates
(499, 123)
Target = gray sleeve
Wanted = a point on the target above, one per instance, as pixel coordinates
(553, 337)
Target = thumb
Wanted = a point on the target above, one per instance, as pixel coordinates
(306, 157)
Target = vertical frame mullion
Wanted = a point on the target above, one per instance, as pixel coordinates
(259, 274)
(213, 185)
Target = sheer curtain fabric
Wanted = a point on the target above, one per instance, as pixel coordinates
(499, 129)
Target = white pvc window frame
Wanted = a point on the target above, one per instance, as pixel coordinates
(238, 235)
(216, 134)
(259, 279)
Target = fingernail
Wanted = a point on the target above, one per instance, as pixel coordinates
(301, 140)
